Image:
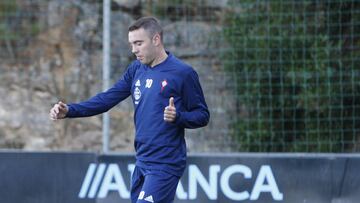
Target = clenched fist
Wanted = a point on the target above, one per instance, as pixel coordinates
(59, 111)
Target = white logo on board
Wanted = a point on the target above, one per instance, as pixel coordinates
(101, 179)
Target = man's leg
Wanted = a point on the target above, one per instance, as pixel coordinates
(137, 181)
(158, 187)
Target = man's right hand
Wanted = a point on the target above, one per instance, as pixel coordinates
(59, 111)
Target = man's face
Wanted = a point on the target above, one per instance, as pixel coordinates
(142, 46)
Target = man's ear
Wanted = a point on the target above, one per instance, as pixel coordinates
(157, 39)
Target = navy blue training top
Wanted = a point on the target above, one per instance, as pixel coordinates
(158, 144)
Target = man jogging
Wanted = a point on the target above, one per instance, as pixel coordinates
(167, 98)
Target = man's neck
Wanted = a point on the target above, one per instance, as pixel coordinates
(160, 58)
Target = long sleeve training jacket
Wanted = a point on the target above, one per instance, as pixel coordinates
(158, 144)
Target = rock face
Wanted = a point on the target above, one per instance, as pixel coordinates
(63, 61)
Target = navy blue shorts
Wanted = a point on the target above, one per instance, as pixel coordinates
(153, 186)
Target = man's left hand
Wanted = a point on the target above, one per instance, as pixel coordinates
(170, 111)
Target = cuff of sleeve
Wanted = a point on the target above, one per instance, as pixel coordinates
(70, 112)
(178, 118)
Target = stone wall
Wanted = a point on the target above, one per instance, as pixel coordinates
(63, 62)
